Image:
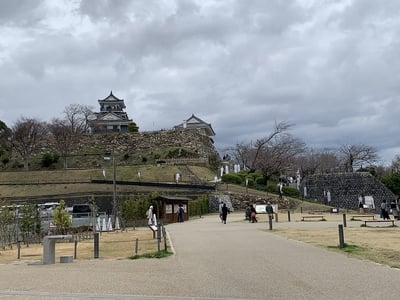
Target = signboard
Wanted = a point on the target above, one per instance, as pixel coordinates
(261, 208)
(369, 202)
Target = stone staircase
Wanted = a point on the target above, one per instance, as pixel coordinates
(215, 201)
(187, 173)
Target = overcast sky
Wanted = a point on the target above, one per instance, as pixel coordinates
(330, 67)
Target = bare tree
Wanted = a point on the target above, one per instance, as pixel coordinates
(278, 155)
(65, 140)
(396, 164)
(354, 156)
(273, 154)
(78, 117)
(312, 162)
(242, 153)
(279, 129)
(26, 137)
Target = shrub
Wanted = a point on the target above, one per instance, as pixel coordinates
(287, 191)
(291, 192)
(49, 159)
(231, 178)
(5, 160)
(62, 220)
(200, 206)
(134, 208)
(180, 153)
(250, 182)
(259, 180)
(272, 188)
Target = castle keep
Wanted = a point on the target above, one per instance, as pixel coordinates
(112, 117)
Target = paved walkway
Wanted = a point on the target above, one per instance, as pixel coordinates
(238, 260)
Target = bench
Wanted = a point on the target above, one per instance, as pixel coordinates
(312, 217)
(379, 221)
(362, 216)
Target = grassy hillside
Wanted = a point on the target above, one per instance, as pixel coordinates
(48, 183)
(37, 183)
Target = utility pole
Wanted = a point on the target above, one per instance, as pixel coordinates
(115, 207)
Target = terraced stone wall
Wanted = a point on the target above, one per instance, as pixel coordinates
(345, 189)
(144, 142)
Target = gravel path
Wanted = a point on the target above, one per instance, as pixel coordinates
(237, 260)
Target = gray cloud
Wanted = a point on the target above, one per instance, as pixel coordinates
(329, 67)
(20, 12)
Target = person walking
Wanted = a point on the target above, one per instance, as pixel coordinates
(248, 213)
(253, 214)
(270, 210)
(393, 208)
(225, 211)
(149, 215)
(385, 210)
(181, 212)
(221, 204)
(280, 189)
(361, 207)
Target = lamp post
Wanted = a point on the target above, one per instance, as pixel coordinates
(114, 203)
(115, 208)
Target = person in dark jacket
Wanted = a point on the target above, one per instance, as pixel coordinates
(181, 212)
(225, 211)
(248, 213)
(385, 210)
(269, 210)
(253, 214)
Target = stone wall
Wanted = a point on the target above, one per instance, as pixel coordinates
(199, 145)
(239, 201)
(148, 141)
(345, 189)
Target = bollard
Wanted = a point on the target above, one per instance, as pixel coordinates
(270, 222)
(75, 248)
(136, 246)
(341, 236)
(301, 209)
(165, 238)
(19, 250)
(344, 220)
(159, 237)
(96, 245)
(288, 215)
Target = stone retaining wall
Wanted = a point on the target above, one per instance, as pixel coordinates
(345, 189)
(200, 146)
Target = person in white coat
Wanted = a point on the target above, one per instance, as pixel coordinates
(149, 215)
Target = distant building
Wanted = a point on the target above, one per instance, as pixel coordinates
(112, 117)
(196, 123)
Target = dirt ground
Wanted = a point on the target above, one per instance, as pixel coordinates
(379, 244)
(112, 245)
